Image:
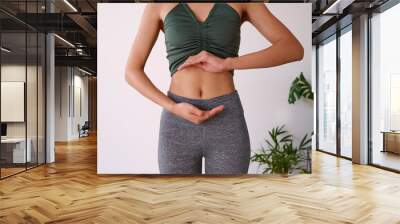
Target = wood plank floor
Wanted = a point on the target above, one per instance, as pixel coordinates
(70, 191)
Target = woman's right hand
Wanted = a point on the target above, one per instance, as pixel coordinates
(194, 114)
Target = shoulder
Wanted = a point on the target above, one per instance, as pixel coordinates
(252, 9)
(253, 5)
(155, 9)
(160, 9)
(247, 8)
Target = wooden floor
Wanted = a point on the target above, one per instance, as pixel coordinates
(387, 159)
(5, 172)
(70, 191)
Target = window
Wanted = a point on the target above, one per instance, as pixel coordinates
(327, 96)
(335, 74)
(22, 102)
(346, 93)
(395, 101)
(385, 89)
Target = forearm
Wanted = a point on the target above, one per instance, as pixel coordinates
(139, 81)
(278, 54)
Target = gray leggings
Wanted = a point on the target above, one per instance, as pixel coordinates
(222, 140)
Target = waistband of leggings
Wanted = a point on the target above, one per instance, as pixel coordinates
(224, 97)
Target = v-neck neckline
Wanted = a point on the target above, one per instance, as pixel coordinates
(190, 11)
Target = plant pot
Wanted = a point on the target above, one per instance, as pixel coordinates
(280, 175)
(285, 175)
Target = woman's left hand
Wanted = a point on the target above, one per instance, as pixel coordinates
(207, 62)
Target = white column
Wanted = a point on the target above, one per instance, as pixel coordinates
(50, 99)
(50, 92)
(360, 90)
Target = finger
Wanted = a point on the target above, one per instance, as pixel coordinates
(204, 53)
(196, 111)
(198, 58)
(198, 119)
(184, 65)
(187, 61)
(211, 113)
(201, 65)
(194, 59)
(216, 110)
(195, 119)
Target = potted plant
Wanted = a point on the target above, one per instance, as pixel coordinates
(300, 88)
(281, 156)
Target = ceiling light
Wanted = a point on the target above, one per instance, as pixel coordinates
(84, 71)
(5, 50)
(70, 5)
(64, 40)
(337, 7)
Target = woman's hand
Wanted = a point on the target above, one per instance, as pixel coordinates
(194, 114)
(207, 62)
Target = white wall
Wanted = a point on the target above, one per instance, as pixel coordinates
(66, 122)
(33, 127)
(17, 72)
(128, 123)
(61, 104)
(314, 88)
(80, 82)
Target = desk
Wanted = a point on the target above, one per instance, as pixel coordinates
(391, 141)
(13, 150)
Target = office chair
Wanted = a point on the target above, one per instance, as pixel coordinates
(84, 130)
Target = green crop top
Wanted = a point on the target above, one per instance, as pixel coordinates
(185, 35)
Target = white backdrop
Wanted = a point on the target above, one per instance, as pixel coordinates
(128, 123)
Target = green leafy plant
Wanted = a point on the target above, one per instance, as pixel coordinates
(300, 88)
(280, 156)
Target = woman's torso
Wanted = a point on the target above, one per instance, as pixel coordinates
(194, 82)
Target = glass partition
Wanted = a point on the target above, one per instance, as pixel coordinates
(41, 109)
(13, 110)
(346, 93)
(327, 96)
(385, 89)
(31, 100)
(22, 77)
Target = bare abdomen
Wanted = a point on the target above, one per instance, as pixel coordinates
(194, 82)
